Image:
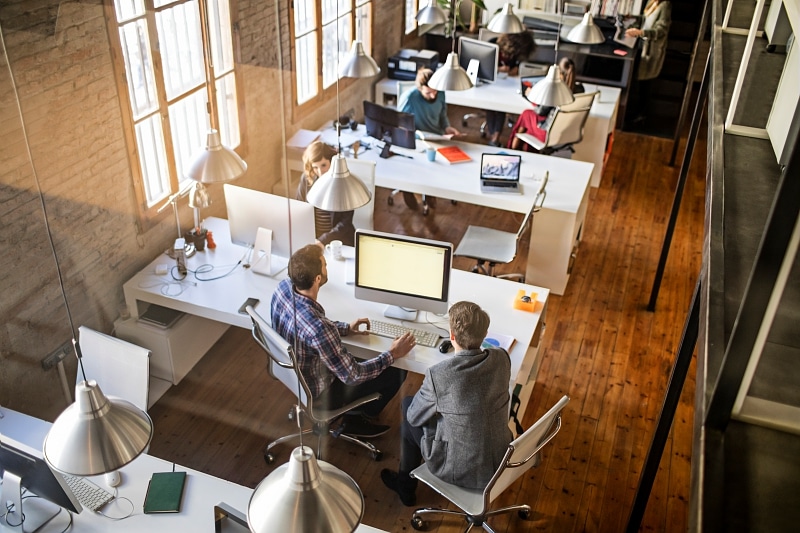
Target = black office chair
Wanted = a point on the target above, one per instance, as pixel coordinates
(489, 245)
(283, 367)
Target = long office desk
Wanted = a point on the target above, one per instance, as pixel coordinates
(504, 95)
(216, 303)
(201, 494)
(556, 229)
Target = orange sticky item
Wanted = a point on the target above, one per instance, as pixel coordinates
(522, 305)
(210, 241)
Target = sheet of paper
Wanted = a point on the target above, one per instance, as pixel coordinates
(430, 136)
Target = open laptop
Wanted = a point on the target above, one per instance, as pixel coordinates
(500, 173)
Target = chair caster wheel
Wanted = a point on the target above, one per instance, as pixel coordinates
(425, 210)
(453, 202)
(377, 456)
(390, 201)
(463, 123)
(418, 524)
(269, 458)
(524, 513)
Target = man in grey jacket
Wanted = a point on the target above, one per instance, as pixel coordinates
(458, 420)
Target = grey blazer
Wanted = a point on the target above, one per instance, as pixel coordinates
(463, 408)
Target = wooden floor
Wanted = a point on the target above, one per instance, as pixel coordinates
(601, 347)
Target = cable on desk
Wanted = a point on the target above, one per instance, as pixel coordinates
(118, 498)
(202, 269)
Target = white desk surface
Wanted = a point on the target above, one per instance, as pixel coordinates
(220, 299)
(566, 187)
(202, 491)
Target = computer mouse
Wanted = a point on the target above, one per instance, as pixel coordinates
(525, 298)
(113, 478)
(445, 346)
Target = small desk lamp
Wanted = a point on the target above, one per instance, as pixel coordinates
(552, 91)
(506, 21)
(337, 189)
(189, 248)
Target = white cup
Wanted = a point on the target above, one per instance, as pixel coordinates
(335, 248)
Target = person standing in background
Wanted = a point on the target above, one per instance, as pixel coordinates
(654, 32)
(514, 48)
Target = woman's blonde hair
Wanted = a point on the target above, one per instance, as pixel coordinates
(316, 151)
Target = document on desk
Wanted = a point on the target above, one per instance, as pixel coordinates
(430, 136)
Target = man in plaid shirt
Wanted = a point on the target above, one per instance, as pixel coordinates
(334, 376)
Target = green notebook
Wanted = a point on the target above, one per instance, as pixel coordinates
(164, 492)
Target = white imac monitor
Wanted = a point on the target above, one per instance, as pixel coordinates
(485, 55)
(249, 210)
(24, 468)
(407, 273)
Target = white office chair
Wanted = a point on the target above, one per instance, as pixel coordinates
(488, 245)
(365, 171)
(565, 127)
(283, 366)
(521, 456)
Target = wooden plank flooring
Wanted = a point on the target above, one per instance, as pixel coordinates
(601, 346)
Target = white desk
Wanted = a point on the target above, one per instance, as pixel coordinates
(202, 491)
(504, 95)
(218, 301)
(556, 229)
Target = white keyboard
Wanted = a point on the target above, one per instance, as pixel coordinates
(391, 330)
(90, 495)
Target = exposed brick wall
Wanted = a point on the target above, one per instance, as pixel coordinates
(59, 55)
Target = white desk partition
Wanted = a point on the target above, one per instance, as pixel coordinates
(504, 95)
(201, 494)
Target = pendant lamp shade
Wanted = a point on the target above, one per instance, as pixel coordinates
(431, 14)
(97, 434)
(506, 21)
(357, 64)
(338, 189)
(587, 32)
(450, 76)
(305, 495)
(551, 91)
(216, 163)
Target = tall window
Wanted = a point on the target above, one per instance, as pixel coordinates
(411, 9)
(317, 51)
(160, 52)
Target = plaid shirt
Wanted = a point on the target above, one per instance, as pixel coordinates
(320, 353)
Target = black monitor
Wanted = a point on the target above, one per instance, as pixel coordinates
(487, 55)
(390, 126)
(23, 467)
(407, 273)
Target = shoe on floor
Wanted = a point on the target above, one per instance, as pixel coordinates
(404, 485)
(494, 143)
(360, 426)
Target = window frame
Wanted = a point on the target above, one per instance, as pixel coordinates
(324, 95)
(148, 216)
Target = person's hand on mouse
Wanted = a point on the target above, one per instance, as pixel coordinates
(402, 345)
(354, 325)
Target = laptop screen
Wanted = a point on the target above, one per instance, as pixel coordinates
(504, 167)
(527, 82)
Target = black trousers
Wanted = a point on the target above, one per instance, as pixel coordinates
(387, 384)
(410, 438)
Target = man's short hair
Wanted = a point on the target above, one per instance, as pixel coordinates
(304, 266)
(468, 324)
(423, 77)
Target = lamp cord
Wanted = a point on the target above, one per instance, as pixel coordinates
(42, 203)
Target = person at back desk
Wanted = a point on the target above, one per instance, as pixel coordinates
(334, 376)
(430, 114)
(534, 121)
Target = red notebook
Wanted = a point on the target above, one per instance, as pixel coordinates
(454, 154)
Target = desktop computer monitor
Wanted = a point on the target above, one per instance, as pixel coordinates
(249, 210)
(389, 125)
(23, 467)
(487, 55)
(406, 273)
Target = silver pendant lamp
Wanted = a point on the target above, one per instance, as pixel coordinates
(587, 32)
(450, 76)
(305, 496)
(358, 64)
(552, 91)
(338, 189)
(215, 163)
(431, 14)
(506, 21)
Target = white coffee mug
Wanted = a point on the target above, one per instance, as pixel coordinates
(335, 247)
